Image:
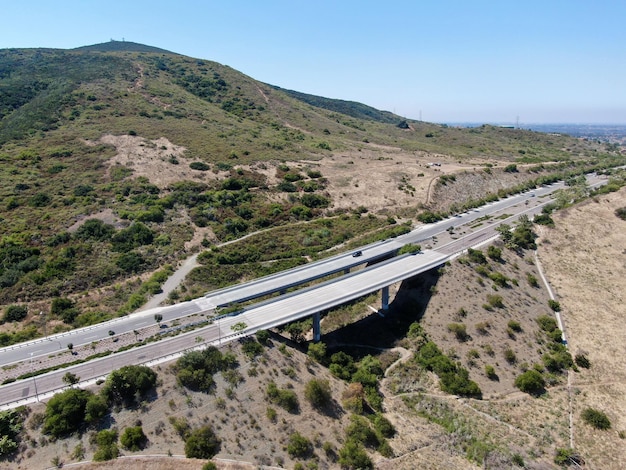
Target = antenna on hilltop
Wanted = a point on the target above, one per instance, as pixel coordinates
(517, 122)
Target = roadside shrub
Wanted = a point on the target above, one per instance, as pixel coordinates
(554, 305)
(596, 418)
(547, 323)
(494, 253)
(476, 256)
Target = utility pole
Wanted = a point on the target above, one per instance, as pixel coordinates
(34, 376)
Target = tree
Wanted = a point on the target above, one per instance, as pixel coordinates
(95, 409)
(133, 438)
(65, 412)
(531, 382)
(505, 233)
(202, 443)
(317, 392)
(129, 384)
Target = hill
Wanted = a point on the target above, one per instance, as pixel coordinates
(122, 46)
(120, 160)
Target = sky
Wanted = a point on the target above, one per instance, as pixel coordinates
(448, 61)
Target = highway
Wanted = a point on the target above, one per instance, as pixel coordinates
(267, 285)
(279, 310)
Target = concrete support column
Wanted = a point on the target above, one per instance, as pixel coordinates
(317, 329)
(385, 300)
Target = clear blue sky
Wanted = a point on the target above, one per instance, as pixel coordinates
(490, 61)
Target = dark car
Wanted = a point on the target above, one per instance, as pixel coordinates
(356, 254)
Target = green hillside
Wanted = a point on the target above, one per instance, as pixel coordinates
(234, 175)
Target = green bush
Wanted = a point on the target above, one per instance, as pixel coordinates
(582, 361)
(495, 300)
(317, 392)
(107, 446)
(284, 398)
(531, 382)
(490, 371)
(547, 323)
(299, 446)
(201, 166)
(459, 330)
(554, 305)
(252, 348)
(494, 253)
(353, 456)
(510, 356)
(565, 457)
(476, 256)
(514, 325)
(596, 418)
(15, 313)
(202, 443)
(133, 438)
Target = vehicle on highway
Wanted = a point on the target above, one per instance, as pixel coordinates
(356, 254)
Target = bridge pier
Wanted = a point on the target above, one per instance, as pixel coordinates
(385, 298)
(317, 329)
